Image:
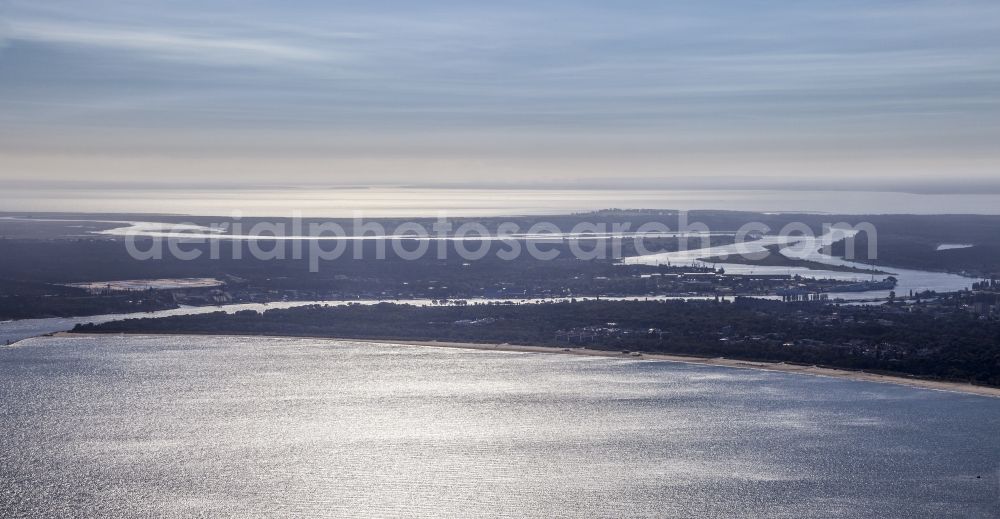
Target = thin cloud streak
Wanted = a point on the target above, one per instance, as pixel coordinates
(198, 48)
(777, 77)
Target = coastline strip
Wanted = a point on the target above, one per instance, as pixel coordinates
(861, 376)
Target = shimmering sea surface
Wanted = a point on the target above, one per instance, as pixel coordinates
(385, 201)
(220, 426)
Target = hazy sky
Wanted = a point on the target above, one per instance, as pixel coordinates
(631, 92)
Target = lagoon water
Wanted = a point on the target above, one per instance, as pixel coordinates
(809, 249)
(225, 426)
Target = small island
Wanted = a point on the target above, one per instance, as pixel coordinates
(775, 258)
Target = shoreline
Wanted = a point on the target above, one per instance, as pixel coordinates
(858, 376)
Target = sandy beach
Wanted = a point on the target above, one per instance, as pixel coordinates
(936, 385)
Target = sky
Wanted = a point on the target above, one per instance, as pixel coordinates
(588, 94)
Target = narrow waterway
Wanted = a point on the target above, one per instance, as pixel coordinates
(809, 248)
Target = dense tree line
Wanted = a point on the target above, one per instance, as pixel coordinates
(953, 345)
(31, 300)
